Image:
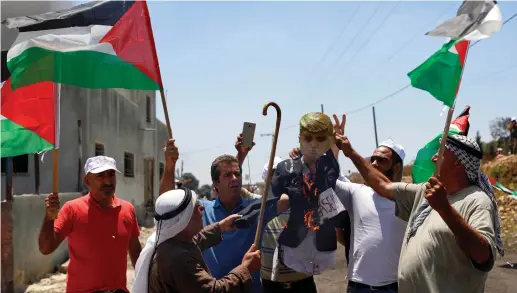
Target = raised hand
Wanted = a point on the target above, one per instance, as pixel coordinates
(52, 206)
(436, 194)
(295, 153)
(339, 127)
(343, 144)
(171, 154)
(241, 148)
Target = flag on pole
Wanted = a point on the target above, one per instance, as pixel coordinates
(475, 20)
(423, 168)
(100, 44)
(497, 185)
(440, 75)
(29, 119)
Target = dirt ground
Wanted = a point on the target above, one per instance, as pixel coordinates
(500, 279)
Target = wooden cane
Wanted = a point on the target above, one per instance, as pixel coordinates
(270, 168)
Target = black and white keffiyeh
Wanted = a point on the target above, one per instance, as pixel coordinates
(467, 151)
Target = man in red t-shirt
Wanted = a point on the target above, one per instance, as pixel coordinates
(101, 230)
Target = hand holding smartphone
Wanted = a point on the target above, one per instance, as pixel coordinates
(248, 133)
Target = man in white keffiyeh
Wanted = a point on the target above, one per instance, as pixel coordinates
(453, 232)
(171, 260)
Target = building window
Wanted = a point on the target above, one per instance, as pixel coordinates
(99, 149)
(148, 109)
(162, 167)
(20, 164)
(129, 165)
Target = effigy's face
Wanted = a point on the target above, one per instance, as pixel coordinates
(314, 145)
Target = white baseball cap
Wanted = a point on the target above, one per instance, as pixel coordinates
(100, 164)
(514, 119)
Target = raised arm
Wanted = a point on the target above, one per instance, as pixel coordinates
(375, 179)
(167, 182)
(53, 232)
(242, 151)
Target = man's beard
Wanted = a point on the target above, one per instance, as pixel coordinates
(389, 174)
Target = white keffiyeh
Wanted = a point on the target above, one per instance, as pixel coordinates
(464, 149)
(166, 229)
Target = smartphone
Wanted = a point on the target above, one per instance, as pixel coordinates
(248, 132)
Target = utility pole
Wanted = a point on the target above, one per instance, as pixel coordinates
(375, 127)
(272, 134)
(181, 169)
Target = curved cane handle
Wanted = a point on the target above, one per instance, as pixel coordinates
(277, 108)
(270, 168)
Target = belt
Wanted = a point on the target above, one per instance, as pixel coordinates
(287, 285)
(392, 286)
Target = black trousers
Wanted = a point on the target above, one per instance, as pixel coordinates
(306, 285)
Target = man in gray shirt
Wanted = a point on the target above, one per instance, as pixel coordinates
(453, 228)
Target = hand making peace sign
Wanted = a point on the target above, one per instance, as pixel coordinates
(342, 141)
(339, 128)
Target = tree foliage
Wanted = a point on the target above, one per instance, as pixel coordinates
(204, 191)
(190, 181)
(499, 128)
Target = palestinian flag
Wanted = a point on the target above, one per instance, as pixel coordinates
(497, 185)
(100, 44)
(440, 75)
(475, 20)
(423, 167)
(29, 119)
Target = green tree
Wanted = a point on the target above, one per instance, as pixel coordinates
(204, 191)
(499, 128)
(190, 181)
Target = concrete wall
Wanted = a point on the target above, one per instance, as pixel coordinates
(113, 117)
(29, 263)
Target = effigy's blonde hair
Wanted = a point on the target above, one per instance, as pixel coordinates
(316, 122)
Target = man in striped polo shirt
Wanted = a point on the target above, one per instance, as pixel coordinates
(288, 280)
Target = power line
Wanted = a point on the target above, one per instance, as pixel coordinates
(406, 44)
(373, 34)
(355, 37)
(331, 47)
(508, 20)
(395, 92)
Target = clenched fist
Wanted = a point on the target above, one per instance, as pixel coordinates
(252, 260)
(436, 194)
(52, 206)
(171, 154)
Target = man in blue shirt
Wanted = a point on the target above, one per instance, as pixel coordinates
(227, 181)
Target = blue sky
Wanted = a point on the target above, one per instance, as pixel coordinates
(221, 62)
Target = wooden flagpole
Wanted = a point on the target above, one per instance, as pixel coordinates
(157, 64)
(55, 152)
(449, 120)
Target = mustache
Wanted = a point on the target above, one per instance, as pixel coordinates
(107, 186)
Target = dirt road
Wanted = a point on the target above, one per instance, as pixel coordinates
(500, 280)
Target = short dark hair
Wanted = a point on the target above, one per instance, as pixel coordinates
(215, 169)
